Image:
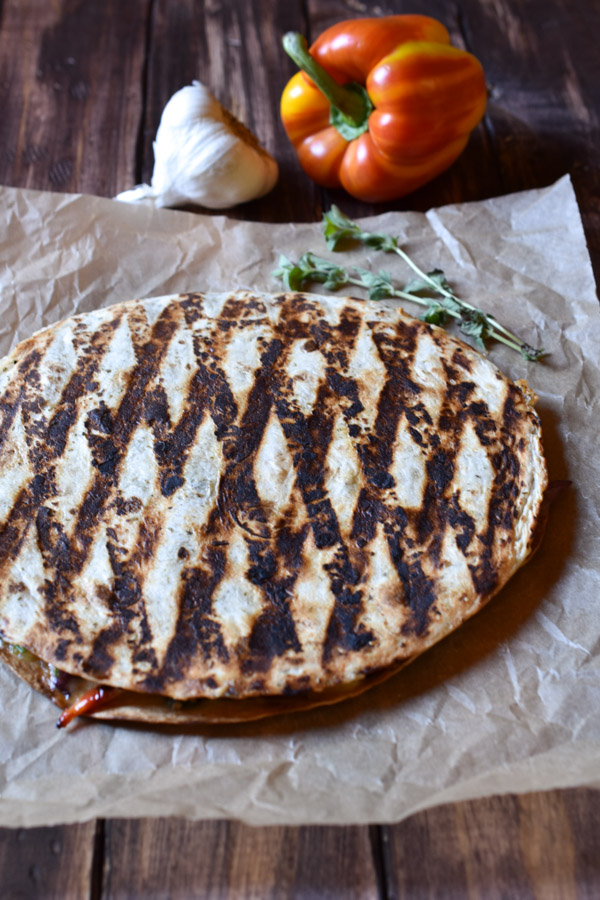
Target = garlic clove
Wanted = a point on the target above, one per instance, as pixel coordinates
(204, 155)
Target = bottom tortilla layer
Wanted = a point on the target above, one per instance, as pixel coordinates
(128, 706)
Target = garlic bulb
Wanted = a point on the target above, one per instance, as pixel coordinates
(204, 155)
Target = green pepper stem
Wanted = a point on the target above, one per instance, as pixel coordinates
(351, 104)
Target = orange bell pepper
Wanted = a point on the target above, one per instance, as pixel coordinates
(381, 106)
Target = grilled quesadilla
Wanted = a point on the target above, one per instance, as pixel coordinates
(227, 505)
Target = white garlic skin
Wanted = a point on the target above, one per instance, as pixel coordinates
(203, 155)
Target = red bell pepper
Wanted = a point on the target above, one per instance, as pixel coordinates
(381, 106)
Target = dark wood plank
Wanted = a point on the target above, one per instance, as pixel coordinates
(523, 847)
(543, 67)
(179, 859)
(47, 863)
(71, 93)
(235, 50)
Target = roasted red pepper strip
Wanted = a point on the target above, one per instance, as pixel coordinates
(402, 101)
(95, 698)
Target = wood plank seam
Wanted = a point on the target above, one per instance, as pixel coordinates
(98, 861)
(486, 124)
(377, 840)
(149, 51)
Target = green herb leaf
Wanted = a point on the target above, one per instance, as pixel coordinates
(435, 314)
(290, 273)
(310, 269)
(477, 325)
(416, 286)
(340, 230)
(435, 282)
(379, 285)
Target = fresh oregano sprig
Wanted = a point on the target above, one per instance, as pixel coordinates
(339, 229)
(311, 269)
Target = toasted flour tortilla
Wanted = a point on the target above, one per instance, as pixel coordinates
(128, 706)
(242, 496)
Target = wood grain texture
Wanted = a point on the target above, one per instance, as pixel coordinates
(177, 859)
(544, 845)
(543, 70)
(70, 91)
(47, 863)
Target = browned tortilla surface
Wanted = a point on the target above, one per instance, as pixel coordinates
(243, 495)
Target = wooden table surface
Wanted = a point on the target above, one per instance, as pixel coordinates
(83, 84)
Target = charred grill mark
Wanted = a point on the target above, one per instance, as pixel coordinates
(440, 465)
(419, 591)
(346, 390)
(459, 519)
(192, 305)
(510, 413)
(399, 396)
(309, 439)
(428, 517)
(207, 388)
(52, 540)
(46, 441)
(156, 414)
(370, 510)
(505, 489)
(460, 359)
(13, 531)
(99, 427)
(267, 640)
(99, 662)
(342, 629)
(13, 397)
(99, 420)
(196, 629)
(50, 437)
(238, 498)
(273, 632)
(126, 599)
(483, 423)
(122, 424)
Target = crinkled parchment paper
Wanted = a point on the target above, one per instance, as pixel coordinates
(509, 702)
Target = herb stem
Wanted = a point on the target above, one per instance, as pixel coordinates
(514, 342)
(473, 321)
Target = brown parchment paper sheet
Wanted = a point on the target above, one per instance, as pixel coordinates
(509, 702)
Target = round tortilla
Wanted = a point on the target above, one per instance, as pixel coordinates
(246, 496)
